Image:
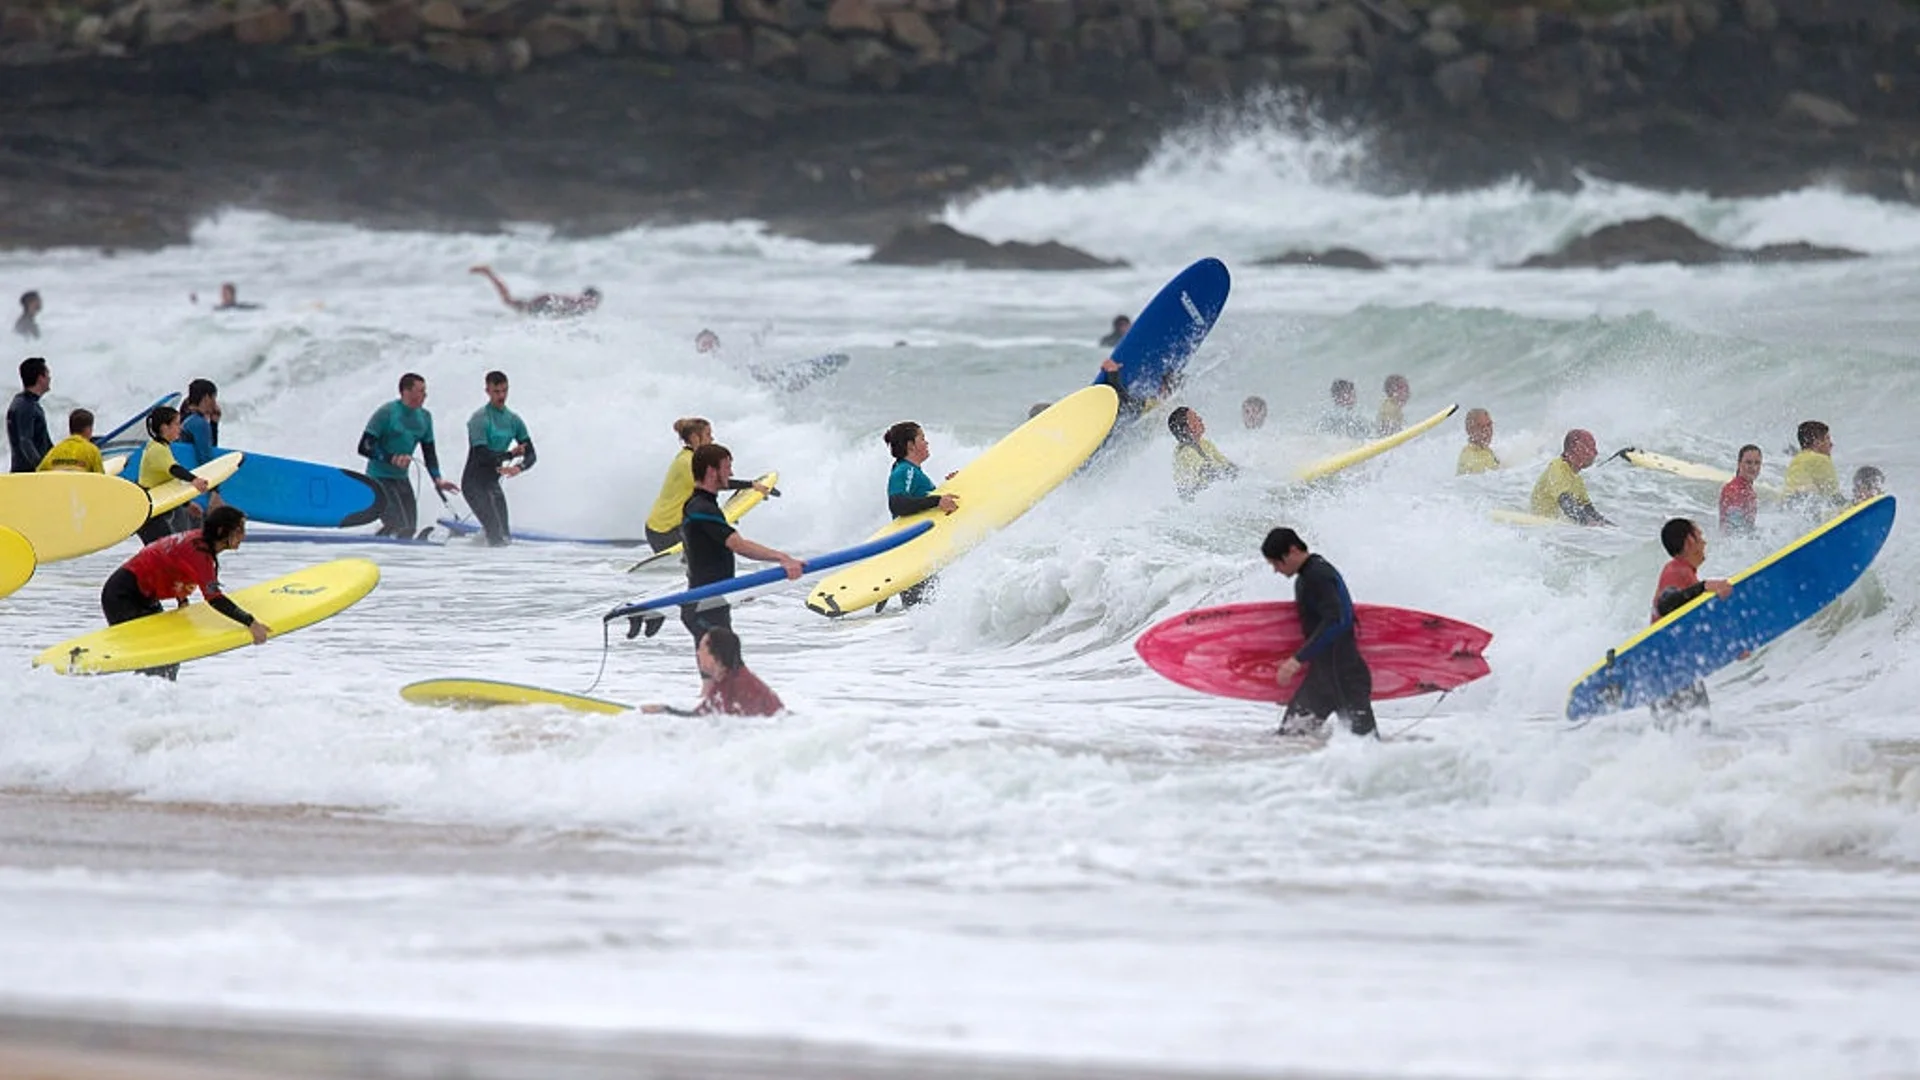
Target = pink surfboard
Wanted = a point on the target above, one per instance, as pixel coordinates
(1234, 650)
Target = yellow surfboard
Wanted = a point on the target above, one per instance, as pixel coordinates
(1531, 520)
(1688, 469)
(177, 493)
(994, 489)
(16, 561)
(65, 515)
(1326, 467)
(733, 510)
(489, 693)
(286, 604)
(114, 464)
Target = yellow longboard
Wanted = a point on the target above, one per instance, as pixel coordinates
(286, 604)
(488, 693)
(1523, 518)
(65, 515)
(177, 493)
(114, 464)
(16, 561)
(1688, 469)
(1326, 467)
(733, 510)
(994, 489)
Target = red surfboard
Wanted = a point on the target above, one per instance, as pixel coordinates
(1234, 650)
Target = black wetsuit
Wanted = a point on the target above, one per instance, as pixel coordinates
(480, 483)
(399, 510)
(27, 435)
(1337, 679)
(704, 530)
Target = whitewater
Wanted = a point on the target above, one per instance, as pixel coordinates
(984, 827)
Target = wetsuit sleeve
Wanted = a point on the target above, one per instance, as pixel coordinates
(1325, 597)
(219, 603)
(179, 472)
(902, 505)
(1582, 512)
(375, 430)
(739, 485)
(529, 457)
(432, 457)
(1674, 599)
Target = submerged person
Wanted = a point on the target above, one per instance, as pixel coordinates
(230, 299)
(1253, 412)
(28, 324)
(1121, 324)
(1477, 456)
(28, 439)
(1812, 484)
(1868, 483)
(1560, 492)
(1739, 503)
(1679, 585)
(393, 433)
(706, 341)
(76, 452)
(158, 467)
(495, 436)
(1341, 417)
(663, 521)
(1197, 463)
(1393, 410)
(171, 569)
(727, 687)
(544, 305)
(1338, 679)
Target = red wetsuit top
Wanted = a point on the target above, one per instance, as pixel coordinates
(739, 693)
(1679, 583)
(1738, 505)
(172, 567)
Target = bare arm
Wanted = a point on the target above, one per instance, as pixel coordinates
(740, 545)
(498, 285)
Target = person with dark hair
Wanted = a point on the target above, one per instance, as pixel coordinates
(1253, 412)
(1868, 483)
(28, 325)
(545, 305)
(392, 434)
(76, 452)
(1121, 324)
(171, 568)
(663, 522)
(230, 299)
(200, 419)
(1739, 503)
(1477, 456)
(1560, 492)
(28, 439)
(1341, 416)
(1197, 463)
(1393, 410)
(726, 686)
(706, 341)
(1679, 585)
(495, 436)
(712, 542)
(1338, 679)
(158, 467)
(909, 489)
(1813, 485)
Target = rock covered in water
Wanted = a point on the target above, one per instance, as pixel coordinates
(1336, 258)
(1664, 240)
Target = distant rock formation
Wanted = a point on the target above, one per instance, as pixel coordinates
(1337, 258)
(1664, 240)
(936, 244)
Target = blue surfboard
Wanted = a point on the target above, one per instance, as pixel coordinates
(472, 528)
(288, 536)
(138, 418)
(1169, 330)
(649, 614)
(1769, 598)
(283, 491)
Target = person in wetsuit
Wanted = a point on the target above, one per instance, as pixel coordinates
(393, 433)
(28, 325)
(1560, 492)
(1679, 585)
(495, 436)
(200, 428)
(76, 452)
(1813, 485)
(545, 305)
(1338, 679)
(910, 489)
(230, 299)
(727, 687)
(1121, 324)
(28, 439)
(1739, 504)
(663, 521)
(1477, 456)
(1393, 408)
(1341, 417)
(157, 467)
(171, 568)
(1868, 483)
(1197, 463)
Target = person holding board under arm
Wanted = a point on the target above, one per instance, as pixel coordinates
(158, 467)
(393, 433)
(495, 436)
(910, 489)
(1338, 679)
(171, 568)
(1679, 585)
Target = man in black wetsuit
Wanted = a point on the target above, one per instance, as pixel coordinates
(27, 435)
(1337, 678)
(711, 543)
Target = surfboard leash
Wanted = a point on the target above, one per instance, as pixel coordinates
(1415, 724)
(606, 646)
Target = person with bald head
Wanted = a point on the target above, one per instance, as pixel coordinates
(1477, 456)
(1560, 492)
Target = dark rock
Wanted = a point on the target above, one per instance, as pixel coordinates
(263, 26)
(874, 64)
(1338, 258)
(1662, 240)
(1802, 107)
(1800, 251)
(396, 23)
(983, 14)
(775, 51)
(670, 38)
(1461, 81)
(854, 16)
(1223, 35)
(1167, 49)
(824, 60)
(936, 244)
(721, 44)
(1047, 18)
(967, 40)
(554, 36)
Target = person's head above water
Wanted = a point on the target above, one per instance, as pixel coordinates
(706, 341)
(1868, 483)
(1814, 435)
(35, 375)
(1579, 448)
(1122, 324)
(1342, 392)
(1397, 389)
(1186, 425)
(1479, 427)
(1683, 539)
(1748, 463)
(413, 390)
(1253, 411)
(719, 653)
(224, 528)
(590, 297)
(163, 423)
(80, 422)
(30, 302)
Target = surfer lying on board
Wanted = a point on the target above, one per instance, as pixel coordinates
(1560, 492)
(1341, 417)
(1477, 456)
(1813, 485)
(392, 434)
(663, 521)
(711, 543)
(1679, 585)
(546, 305)
(171, 568)
(1338, 680)
(76, 452)
(1197, 463)
(726, 686)
(1739, 505)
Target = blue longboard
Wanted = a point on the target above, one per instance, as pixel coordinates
(649, 614)
(287, 536)
(138, 418)
(1170, 329)
(282, 491)
(472, 528)
(1769, 598)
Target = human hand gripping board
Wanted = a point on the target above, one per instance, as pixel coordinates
(1170, 329)
(648, 615)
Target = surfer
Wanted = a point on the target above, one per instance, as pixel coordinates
(1477, 456)
(727, 687)
(157, 467)
(171, 569)
(1560, 492)
(1738, 504)
(1253, 412)
(1812, 483)
(28, 325)
(1393, 416)
(545, 305)
(909, 488)
(1679, 584)
(1868, 483)
(663, 522)
(76, 452)
(28, 439)
(200, 426)
(712, 542)
(1131, 407)
(1121, 324)
(392, 434)
(495, 436)
(230, 299)
(706, 341)
(1197, 463)
(1340, 417)
(1337, 680)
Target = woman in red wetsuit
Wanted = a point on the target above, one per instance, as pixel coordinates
(171, 568)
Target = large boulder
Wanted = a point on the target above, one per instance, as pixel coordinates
(1338, 258)
(1664, 240)
(935, 244)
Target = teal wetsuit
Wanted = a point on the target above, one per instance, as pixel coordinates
(491, 433)
(396, 429)
(909, 489)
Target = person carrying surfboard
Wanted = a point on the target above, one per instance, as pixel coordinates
(711, 542)
(726, 686)
(1338, 679)
(910, 489)
(1477, 456)
(28, 439)
(1739, 504)
(157, 467)
(495, 436)
(1679, 585)
(171, 568)
(393, 433)
(1560, 492)
(76, 452)
(1197, 463)
(663, 521)
(1393, 410)
(1812, 484)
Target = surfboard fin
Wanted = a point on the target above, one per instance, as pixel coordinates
(649, 625)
